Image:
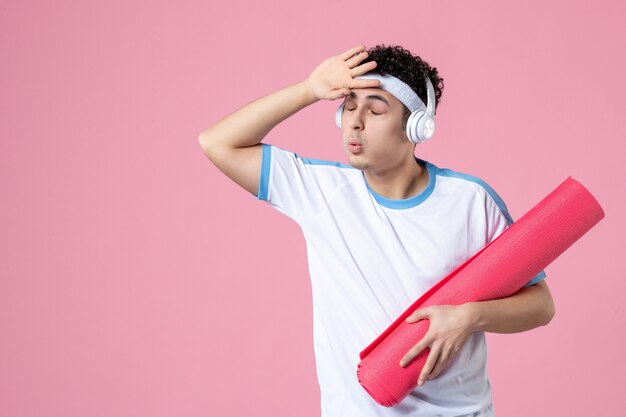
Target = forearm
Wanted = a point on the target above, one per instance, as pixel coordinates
(249, 124)
(528, 308)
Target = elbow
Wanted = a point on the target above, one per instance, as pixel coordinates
(546, 304)
(205, 143)
(202, 140)
(210, 144)
(549, 314)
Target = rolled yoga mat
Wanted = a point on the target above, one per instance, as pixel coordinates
(498, 270)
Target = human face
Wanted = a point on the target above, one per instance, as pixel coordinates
(372, 129)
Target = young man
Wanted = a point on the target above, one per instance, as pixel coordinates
(380, 231)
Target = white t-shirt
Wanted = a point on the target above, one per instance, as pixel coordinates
(370, 258)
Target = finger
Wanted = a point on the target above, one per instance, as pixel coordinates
(339, 93)
(414, 352)
(417, 315)
(433, 356)
(351, 51)
(354, 60)
(441, 363)
(358, 83)
(362, 69)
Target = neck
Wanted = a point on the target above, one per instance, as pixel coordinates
(404, 181)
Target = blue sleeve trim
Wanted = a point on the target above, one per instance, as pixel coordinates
(541, 275)
(264, 179)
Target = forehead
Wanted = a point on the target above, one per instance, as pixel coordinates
(377, 94)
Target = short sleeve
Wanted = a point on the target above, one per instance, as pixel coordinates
(498, 220)
(289, 184)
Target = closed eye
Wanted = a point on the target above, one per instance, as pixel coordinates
(373, 112)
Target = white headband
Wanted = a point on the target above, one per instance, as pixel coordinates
(398, 88)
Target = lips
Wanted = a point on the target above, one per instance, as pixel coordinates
(355, 146)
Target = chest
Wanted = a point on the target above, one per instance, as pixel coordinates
(423, 243)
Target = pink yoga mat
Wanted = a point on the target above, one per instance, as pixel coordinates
(498, 270)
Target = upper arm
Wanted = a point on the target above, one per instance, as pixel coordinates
(242, 165)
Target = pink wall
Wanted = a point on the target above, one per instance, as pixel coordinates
(137, 280)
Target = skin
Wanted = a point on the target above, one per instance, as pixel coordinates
(386, 159)
(386, 156)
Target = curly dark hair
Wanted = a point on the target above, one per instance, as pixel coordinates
(411, 69)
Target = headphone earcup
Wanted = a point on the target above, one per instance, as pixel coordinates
(412, 126)
(426, 127)
(338, 115)
(419, 126)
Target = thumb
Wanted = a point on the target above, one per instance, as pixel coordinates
(419, 314)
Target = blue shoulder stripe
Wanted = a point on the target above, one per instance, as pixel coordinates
(449, 173)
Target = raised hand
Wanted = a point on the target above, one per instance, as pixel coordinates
(334, 77)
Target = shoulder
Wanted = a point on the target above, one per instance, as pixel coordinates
(276, 156)
(286, 171)
(475, 184)
(276, 151)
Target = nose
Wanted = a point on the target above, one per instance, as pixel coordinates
(355, 119)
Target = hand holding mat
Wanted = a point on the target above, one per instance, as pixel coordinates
(498, 270)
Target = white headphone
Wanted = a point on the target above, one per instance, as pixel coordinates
(420, 125)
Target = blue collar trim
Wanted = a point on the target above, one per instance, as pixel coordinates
(411, 201)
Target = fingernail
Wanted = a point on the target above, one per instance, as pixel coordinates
(402, 363)
(420, 382)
